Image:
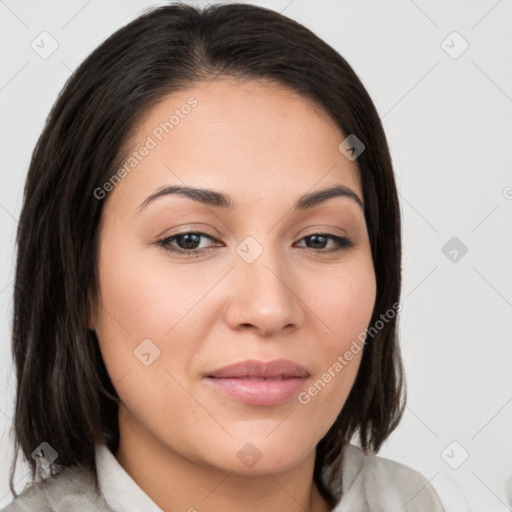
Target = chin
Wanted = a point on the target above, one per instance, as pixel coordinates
(260, 455)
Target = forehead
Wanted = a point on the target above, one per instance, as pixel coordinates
(251, 137)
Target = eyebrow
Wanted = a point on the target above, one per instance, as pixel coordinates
(221, 200)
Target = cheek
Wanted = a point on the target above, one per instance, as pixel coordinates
(142, 299)
(344, 302)
(140, 317)
(144, 295)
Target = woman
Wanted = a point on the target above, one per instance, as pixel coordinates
(208, 278)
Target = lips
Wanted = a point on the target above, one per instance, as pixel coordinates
(259, 383)
(252, 369)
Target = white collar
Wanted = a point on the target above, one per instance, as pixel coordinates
(369, 483)
(118, 488)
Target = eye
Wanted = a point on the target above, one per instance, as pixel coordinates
(188, 244)
(320, 239)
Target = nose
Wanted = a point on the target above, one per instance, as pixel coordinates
(264, 295)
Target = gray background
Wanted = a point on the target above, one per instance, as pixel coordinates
(447, 116)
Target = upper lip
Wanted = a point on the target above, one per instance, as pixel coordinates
(265, 369)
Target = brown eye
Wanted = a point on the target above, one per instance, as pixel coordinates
(187, 243)
(319, 240)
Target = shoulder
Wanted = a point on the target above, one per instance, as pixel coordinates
(370, 482)
(371, 465)
(72, 490)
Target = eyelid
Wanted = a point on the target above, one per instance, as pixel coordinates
(321, 229)
(194, 227)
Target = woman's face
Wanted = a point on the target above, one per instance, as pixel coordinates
(257, 285)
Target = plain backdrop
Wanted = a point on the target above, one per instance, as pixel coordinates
(440, 74)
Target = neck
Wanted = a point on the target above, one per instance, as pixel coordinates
(175, 482)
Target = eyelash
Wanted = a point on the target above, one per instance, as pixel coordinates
(343, 242)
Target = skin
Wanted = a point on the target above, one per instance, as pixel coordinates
(265, 146)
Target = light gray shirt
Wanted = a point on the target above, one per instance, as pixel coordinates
(360, 482)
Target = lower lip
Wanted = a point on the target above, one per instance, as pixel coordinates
(259, 391)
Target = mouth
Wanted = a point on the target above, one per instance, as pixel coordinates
(259, 383)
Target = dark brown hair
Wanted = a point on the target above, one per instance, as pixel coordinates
(64, 394)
